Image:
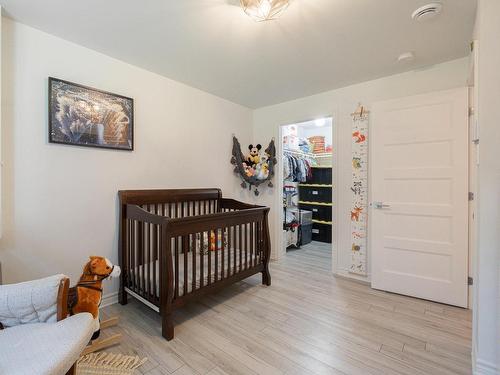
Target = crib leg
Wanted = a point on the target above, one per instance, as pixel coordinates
(167, 326)
(266, 276)
(122, 296)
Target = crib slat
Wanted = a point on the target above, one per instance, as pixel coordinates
(129, 251)
(185, 245)
(155, 256)
(235, 244)
(193, 255)
(240, 235)
(202, 260)
(245, 233)
(229, 243)
(133, 254)
(252, 258)
(242, 246)
(261, 253)
(139, 248)
(216, 254)
(209, 259)
(143, 253)
(257, 245)
(222, 251)
(176, 256)
(150, 251)
(148, 261)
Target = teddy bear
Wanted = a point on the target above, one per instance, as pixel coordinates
(254, 156)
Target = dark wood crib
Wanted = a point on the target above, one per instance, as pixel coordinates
(178, 245)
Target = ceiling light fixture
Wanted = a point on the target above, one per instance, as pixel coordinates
(263, 10)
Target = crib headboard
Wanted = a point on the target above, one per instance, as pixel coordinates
(156, 196)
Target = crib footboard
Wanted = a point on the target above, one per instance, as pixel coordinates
(209, 252)
(175, 255)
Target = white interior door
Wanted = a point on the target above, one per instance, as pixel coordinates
(419, 194)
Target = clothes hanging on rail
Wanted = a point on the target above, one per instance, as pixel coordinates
(296, 168)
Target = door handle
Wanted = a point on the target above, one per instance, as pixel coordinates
(380, 205)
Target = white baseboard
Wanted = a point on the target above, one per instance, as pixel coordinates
(345, 274)
(485, 368)
(109, 299)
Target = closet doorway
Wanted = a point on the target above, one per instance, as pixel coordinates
(308, 190)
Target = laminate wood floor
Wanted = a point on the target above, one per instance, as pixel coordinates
(307, 322)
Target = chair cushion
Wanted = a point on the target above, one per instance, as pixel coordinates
(29, 302)
(44, 348)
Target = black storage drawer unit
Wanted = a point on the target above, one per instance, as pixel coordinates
(319, 212)
(321, 176)
(306, 231)
(322, 232)
(315, 193)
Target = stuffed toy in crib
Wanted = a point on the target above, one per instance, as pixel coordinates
(210, 245)
(86, 295)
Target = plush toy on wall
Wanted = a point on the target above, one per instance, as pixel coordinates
(254, 156)
(254, 169)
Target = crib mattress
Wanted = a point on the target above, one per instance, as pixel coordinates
(140, 273)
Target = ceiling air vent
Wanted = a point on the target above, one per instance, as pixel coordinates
(427, 12)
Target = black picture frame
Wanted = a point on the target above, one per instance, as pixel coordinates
(84, 116)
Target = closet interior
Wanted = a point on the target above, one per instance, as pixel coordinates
(307, 184)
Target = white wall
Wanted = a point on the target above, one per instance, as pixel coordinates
(1, 10)
(341, 103)
(487, 280)
(60, 202)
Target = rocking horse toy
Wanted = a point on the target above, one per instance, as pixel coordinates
(86, 296)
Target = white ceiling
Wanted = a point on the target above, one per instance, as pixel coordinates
(317, 45)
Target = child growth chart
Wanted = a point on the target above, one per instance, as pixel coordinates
(359, 191)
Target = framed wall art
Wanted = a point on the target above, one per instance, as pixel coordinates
(84, 116)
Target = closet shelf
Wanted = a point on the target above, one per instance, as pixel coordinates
(299, 153)
(316, 203)
(324, 155)
(322, 166)
(322, 222)
(317, 185)
(307, 154)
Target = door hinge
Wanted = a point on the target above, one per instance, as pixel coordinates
(471, 196)
(470, 281)
(471, 111)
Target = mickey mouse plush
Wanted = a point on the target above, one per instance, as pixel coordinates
(254, 157)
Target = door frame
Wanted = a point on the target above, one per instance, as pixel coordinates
(281, 251)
